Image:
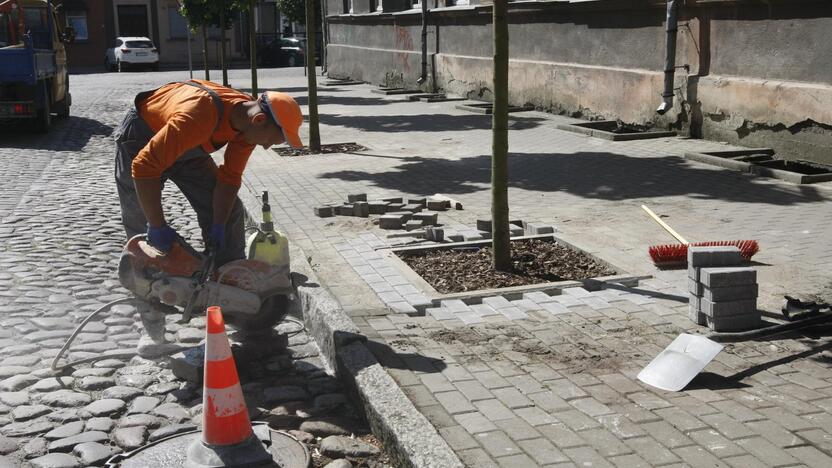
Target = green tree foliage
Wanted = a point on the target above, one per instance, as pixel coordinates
(216, 13)
(295, 10)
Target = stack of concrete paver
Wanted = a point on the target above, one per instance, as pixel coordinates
(723, 294)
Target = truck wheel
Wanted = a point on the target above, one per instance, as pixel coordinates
(62, 108)
(44, 117)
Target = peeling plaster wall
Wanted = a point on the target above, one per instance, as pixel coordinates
(759, 73)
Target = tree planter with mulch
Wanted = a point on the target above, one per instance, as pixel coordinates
(535, 261)
(325, 149)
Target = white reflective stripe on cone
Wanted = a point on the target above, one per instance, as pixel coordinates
(224, 401)
(217, 347)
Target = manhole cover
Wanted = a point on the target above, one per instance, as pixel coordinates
(172, 452)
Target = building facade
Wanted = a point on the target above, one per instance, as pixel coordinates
(98, 22)
(751, 72)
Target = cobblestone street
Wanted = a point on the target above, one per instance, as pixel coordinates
(538, 381)
(61, 239)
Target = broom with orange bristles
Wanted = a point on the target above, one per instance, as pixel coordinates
(669, 255)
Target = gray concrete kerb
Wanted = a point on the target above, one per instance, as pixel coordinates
(407, 435)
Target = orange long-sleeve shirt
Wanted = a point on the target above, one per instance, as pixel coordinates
(183, 118)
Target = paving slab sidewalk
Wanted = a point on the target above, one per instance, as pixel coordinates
(556, 385)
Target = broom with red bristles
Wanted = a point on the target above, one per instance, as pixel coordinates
(670, 255)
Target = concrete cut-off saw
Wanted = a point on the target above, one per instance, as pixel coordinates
(254, 292)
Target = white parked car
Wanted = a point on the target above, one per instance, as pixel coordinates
(132, 52)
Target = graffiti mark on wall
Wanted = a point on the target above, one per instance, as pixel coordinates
(403, 43)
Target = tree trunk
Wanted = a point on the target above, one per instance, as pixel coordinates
(222, 44)
(252, 45)
(314, 132)
(499, 147)
(205, 52)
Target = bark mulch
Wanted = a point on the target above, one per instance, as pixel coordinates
(325, 149)
(534, 261)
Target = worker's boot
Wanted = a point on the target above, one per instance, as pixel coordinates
(152, 342)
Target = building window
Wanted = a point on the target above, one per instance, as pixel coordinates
(78, 21)
(178, 26)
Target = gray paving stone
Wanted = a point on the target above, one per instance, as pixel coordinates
(121, 393)
(458, 438)
(65, 399)
(68, 443)
(8, 445)
(27, 412)
(170, 430)
(67, 430)
(148, 420)
(129, 438)
(55, 460)
(26, 428)
(590, 407)
(699, 257)
(143, 404)
(728, 277)
(94, 453)
(339, 446)
(454, 402)
(14, 398)
(17, 382)
(586, 456)
(475, 423)
(104, 407)
(498, 444)
(172, 411)
(100, 424)
(10, 371)
(34, 448)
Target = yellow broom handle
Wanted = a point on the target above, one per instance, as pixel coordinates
(664, 225)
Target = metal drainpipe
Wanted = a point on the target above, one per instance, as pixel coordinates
(424, 74)
(670, 58)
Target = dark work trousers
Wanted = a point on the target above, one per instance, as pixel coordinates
(194, 175)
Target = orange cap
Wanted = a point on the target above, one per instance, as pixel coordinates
(285, 112)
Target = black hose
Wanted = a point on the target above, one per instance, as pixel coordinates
(772, 330)
(78, 330)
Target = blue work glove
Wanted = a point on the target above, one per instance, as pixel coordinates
(216, 239)
(161, 238)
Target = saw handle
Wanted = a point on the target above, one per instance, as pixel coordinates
(664, 225)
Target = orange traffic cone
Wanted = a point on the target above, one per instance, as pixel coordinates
(224, 414)
(227, 436)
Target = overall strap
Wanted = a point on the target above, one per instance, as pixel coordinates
(214, 96)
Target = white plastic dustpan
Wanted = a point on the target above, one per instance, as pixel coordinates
(680, 362)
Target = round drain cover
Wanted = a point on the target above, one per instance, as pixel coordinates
(172, 452)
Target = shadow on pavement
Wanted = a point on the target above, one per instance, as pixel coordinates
(598, 175)
(390, 358)
(70, 134)
(423, 122)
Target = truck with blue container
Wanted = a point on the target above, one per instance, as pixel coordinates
(34, 80)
